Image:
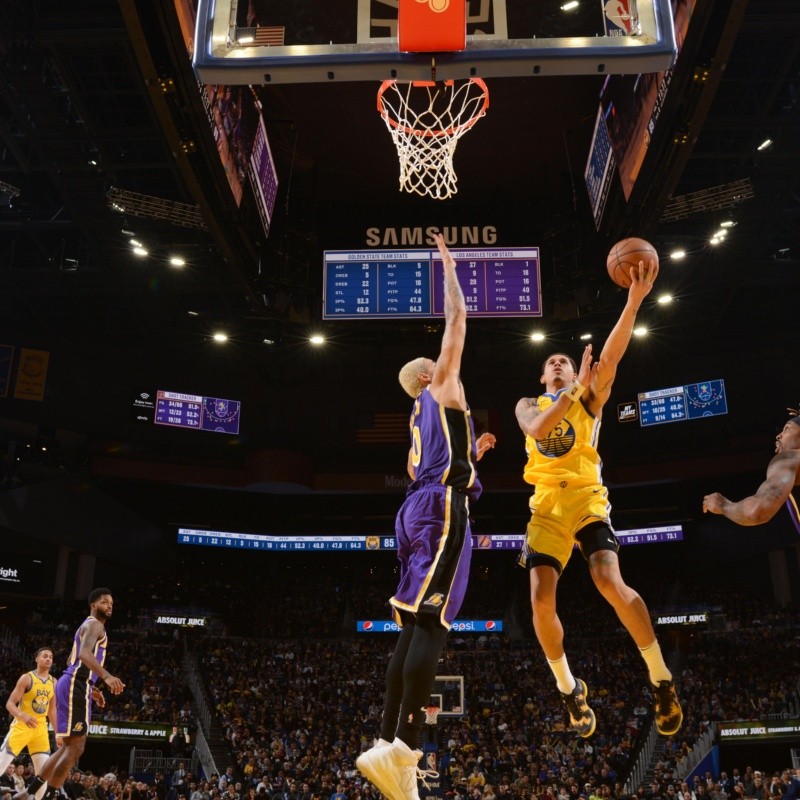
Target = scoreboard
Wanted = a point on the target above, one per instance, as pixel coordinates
(704, 399)
(197, 412)
(271, 543)
(372, 284)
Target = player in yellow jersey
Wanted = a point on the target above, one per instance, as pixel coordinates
(32, 705)
(570, 505)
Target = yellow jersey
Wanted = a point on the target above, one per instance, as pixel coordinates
(36, 700)
(568, 455)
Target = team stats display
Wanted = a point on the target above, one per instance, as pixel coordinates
(197, 412)
(311, 543)
(695, 400)
(371, 284)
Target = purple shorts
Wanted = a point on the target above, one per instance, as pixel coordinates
(434, 547)
(73, 705)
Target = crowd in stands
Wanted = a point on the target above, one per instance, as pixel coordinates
(298, 694)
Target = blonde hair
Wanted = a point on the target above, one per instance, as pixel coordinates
(409, 376)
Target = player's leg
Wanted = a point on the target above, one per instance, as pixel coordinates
(419, 675)
(39, 760)
(7, 755)
(599, 546)
(548, 549)
(394, 683)
(435, 549)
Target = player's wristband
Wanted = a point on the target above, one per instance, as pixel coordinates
(575, 391)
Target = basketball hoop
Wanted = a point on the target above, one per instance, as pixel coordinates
(426, 119)
(431, 714)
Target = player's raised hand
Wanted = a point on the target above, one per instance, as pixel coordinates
(642, 279)
(587, 369)
(447, 259)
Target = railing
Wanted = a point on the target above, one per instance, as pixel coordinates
(698, 752)
(642, 762)
(150, 761)
(195, 683)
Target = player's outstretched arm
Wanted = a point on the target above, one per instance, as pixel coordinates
(445, 385)
(769, 497)
(642, 279)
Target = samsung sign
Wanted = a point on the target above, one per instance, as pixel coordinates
(459, 626)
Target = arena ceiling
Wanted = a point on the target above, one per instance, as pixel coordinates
(98, 96)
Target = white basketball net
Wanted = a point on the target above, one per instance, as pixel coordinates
(431, 714)
(426, 120)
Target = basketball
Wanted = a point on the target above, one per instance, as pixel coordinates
(627, 254)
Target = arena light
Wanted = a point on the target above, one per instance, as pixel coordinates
(316, 339)
(136, 243)
(640, 331)
(176, 261)
(220, 337)
(570, 5)
(537, 336)
(677, 255)
(585, 337)
(664, 299)
(140, 251)
(764, 145)
(728, 223)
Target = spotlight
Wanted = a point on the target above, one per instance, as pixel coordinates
(664, 299)
(177, 262)
(640, 331)
(140, 251)
(220, 337)
(767, 143)
(537, 336)
(316, 339)
(677, 255)
(585, 337)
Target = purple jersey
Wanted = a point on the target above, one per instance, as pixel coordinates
(443, 446)
(793, 504)
(74, 665)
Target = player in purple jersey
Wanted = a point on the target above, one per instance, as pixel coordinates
(433, 544)
(76, 690)
(783, 477)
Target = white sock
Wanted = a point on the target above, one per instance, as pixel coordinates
(564, 680)
(655, 663)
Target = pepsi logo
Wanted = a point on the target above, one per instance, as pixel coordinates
(490, 624)
(368, 625)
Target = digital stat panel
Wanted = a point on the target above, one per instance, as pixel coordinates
(373, 284)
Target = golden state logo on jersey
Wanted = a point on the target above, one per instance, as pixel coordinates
(40, 702)
(558, 442)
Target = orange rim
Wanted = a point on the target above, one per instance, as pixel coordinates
(439, 131)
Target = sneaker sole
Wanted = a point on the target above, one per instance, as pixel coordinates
(594, 718)
(391, 790)
(671, 731)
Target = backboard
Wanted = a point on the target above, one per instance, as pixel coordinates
(284, 41)
(448, 695)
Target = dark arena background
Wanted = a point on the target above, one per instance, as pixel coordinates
(192, 415)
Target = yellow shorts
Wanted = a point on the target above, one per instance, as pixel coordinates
(558, 514)
(21, 736)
